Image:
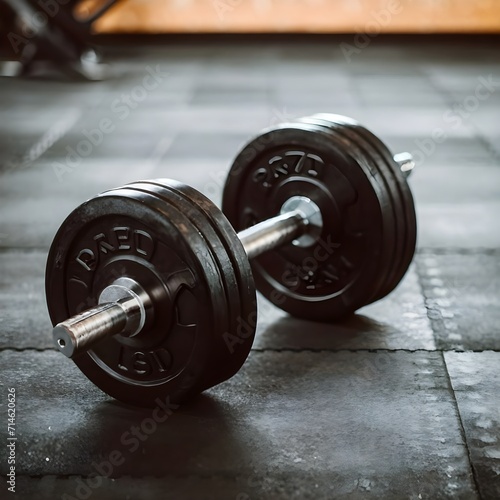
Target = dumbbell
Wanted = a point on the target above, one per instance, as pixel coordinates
(150, 285)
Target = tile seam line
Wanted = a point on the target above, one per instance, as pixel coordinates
(449, 384)
(374, 350)
(457, 251)
(424, 297)
(462, 428)
(69, 476)
(295, 350)
(420, 251)
(27, 249)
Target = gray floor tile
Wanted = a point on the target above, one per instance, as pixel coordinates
(460, 78)
(476, 381)
(457, 148)
(344, 424)
(232, 118)
(219, 77)
(169, 488)
(206, 145)
(390, 100)
(90, 142)
(456, 185)
(310, 100)
(457, 206)
(24, 320)
(31, 216)
(420, 121)
(397, 322)
(229, 96)
(463, 299)
(32, 132)
(459, 226)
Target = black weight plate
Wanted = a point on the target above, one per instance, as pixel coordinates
(360, 153)
(407, 206)
(231, 350)
(246, 321)
(362, 134)
(399, 203)
(395, 241)
(131, 233)
(221, 356)
(340, 273)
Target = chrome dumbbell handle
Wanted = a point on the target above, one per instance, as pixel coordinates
(124, 306)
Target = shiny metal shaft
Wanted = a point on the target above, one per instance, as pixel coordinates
(300, 221)
(272, 233)
(124, 306)
(406, 163)
(79, 333)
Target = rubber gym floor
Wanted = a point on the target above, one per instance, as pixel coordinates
(400, 401)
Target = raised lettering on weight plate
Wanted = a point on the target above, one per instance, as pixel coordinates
(291, 163)
(86, 258)
(119, 239)
(144, 363)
